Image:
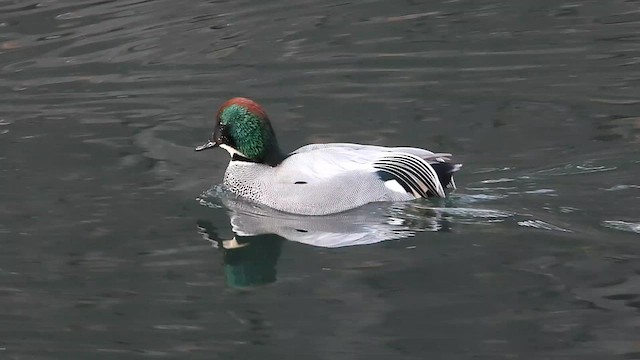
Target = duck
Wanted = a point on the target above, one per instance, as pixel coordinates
(320, 179)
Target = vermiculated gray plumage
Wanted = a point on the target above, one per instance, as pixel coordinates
(322, 179)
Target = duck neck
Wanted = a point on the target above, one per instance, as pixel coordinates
(272, 155)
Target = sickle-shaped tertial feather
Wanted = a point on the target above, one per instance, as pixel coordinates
(411, 172)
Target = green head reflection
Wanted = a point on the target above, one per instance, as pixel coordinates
(251, 261)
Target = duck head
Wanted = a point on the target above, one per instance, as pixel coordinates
(243, 129)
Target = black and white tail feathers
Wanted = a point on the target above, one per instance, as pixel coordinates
(416, 175)
(445, 172)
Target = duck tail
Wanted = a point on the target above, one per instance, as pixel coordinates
(445, 171)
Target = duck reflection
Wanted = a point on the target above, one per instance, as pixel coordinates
(248, 260)
(250, 257)
(369, 224)
(251, 261)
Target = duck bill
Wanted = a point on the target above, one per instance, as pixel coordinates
(209, 145)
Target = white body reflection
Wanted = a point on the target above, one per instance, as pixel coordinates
(370, 224)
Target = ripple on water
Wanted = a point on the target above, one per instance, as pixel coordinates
(571, 169)
(622, 226)
(539, 224)
(495, 181)
(622, 187)
(475, 213)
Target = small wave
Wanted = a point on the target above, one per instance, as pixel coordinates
(571, 169)
(622, 187)
(202, 201)
(541, 191)
(481, 197)
(474, 213)
(622, 225)
(539, 224)
(494, 181)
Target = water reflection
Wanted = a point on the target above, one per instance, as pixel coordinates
(251, 261)
(248, 260)
(251, 255)
(369, 224)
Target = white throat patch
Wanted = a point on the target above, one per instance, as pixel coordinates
(232, 151)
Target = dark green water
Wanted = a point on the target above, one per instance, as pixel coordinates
(110, 250)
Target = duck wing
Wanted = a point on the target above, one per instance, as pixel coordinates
(409, 167)
(421, 153)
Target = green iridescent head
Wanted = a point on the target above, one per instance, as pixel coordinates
(243, 129)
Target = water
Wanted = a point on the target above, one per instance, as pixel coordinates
(112, 249)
